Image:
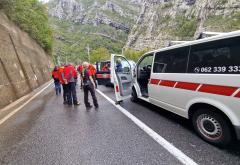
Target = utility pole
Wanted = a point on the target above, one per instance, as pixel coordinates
(88, 51)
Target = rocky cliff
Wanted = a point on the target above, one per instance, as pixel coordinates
(99, 23)
(96, 12)
(161, 21)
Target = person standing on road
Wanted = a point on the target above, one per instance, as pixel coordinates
(79, 69)
(70, 79)
(55, 77)
(64, 86)
(119, 67)
(93, 71)
(88, 86)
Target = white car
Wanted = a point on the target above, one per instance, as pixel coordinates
(198, 80)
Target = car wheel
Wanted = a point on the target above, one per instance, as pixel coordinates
(134, 97)
(212, 127)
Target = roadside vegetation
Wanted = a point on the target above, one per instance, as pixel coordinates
(31, 16)
(102, 54)
(71, 41)
(134, 55)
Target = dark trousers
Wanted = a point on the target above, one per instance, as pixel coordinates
(64, 92)
(95, 80)
(71, 93)
(87, 89)
(57, 87)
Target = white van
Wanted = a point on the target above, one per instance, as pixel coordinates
(198, 80)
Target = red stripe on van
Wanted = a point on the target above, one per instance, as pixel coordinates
(167, 83)
(154, 81)
(237, 95)
(188, 86)
(220, 90)
(103, 75)
(117, 88)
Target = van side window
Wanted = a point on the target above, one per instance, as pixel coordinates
(216, 57)
(171, 61)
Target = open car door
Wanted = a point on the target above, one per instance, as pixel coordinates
(121, 77)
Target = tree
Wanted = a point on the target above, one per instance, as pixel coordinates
(134, 55)
(31, 16)
(99, 54)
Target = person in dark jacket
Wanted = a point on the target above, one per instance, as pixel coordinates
(88, 86)
(55, 77)
(119, 67)
(79, 69)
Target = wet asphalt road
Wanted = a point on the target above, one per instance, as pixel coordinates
(180, 133)
(47, 132)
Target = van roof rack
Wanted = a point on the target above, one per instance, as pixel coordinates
(208, 34)
(171, 43)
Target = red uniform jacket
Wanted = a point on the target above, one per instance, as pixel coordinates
(60, 74)
(80, 68)
(92, 69)
(69, 73)
(55, 74)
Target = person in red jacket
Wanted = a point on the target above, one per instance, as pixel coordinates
(60, 73)
(93, 71)
(70, 78)
(55, 77)
(105, 67)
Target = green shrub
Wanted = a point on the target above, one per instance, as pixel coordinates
(185, 27)
(222, 2)
(31, 16)
(167, 5)
(99, 54)
(223, 24)
(134, 55)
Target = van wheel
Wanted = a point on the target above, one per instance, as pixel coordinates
(134, 97)
(212, 127)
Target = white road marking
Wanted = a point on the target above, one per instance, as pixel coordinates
(19, 108)
(160, 140)
(14, 103)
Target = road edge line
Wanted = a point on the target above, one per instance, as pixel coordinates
(23, 105)
(159, 139)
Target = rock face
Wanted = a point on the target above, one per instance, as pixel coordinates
(161, 21)
(23, 63)
(97, 12)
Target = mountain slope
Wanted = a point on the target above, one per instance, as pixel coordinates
(99, 23)
(161, 21)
